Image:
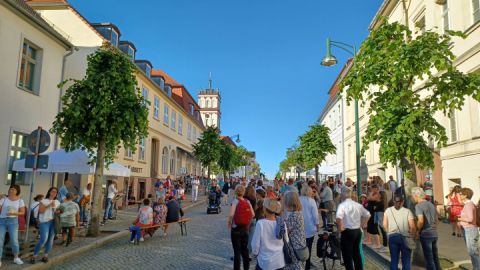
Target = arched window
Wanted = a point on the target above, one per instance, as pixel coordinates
(179, 163)
(172, 162)
(214, 103)
(207, 103)
(165, 160)
(201, 102)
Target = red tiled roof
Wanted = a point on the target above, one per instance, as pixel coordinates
(168, 79)
(228, 140)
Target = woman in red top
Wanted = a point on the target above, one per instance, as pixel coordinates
(455, 206)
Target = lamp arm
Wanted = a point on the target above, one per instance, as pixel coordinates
(350, 49)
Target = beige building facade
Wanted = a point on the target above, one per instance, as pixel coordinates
(173, 126)
(31, 58)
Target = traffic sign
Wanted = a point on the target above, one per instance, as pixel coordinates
(42, 161)
(43, 143)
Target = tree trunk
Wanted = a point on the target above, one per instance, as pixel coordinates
(94, 229)
(316, 175)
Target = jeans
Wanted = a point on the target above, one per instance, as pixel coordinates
(10, 225)
(239, 238)
(471, 240)
(396, 245)
(194, 193)
(430, 252)
(350, 243)
(136, 232)
(108, 209)
(308, 264)
(47, 234)
(83, 214)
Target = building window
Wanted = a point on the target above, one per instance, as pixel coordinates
(141, 150)
(165, 160)
(179, 163)
(192, 108)
(194, 135)
(174, 119)
(189, 131)
(165, 115)
(207, 120)
(453, 127)
(131, 53)
(128, 153)
(114, 38)
(476, 10)
(168, 90)
(214, 103)
(18, 150)
(156, 107)
(28, 77)
(208, 103)
(339, 115)
(180, 124)
(420, 24)
(172, 162)
(201, 103)
(145, 95)
(445, 16)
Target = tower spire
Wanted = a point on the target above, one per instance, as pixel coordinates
(210, 81)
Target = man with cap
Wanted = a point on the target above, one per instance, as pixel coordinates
(351, 218)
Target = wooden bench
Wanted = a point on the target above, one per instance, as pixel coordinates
(182, 222)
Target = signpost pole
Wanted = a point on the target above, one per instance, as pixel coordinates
(32, 184)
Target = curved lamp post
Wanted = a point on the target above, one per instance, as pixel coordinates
(236, 136)
(330, 60)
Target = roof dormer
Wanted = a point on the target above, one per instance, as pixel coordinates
(108, 31)
(145, 66)
(128, 48)
(159, 80)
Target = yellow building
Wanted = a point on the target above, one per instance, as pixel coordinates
(174, 121)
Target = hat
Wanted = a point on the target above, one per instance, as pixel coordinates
(272, 205)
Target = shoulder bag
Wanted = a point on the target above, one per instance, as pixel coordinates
(408, 241)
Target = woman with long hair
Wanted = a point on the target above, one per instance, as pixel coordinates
(11, 207)
(455, 207)
(310, 217)
(46, 218)
(293, 218)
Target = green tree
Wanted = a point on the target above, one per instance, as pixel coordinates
(101, 112)
(315, 145)
(405, 82)
(207, 149)
(226, 160)
(294, 158)
(241, 157)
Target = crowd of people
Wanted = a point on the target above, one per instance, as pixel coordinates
(277, 224)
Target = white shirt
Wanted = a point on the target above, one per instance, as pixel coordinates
(351, 214)
(111, 191)
(266, 247)
(49, 211)
(310, 216)
(195, 182)
(10, 206)
(86, 192)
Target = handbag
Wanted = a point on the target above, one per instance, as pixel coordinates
(288, 251)
(301, 253)
(408, 241)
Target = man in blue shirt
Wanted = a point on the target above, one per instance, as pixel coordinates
(62, 193)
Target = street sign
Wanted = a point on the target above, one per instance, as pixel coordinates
(42, 161)
(43, 143)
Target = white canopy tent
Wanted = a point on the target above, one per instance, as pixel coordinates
(61, 161)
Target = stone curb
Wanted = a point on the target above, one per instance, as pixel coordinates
(95, 244)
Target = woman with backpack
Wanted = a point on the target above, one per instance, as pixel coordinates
(238, 221)
(46, 216)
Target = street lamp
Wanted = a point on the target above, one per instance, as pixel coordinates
(236, 136)
(330, 60)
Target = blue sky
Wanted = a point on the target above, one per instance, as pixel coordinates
(264, 56)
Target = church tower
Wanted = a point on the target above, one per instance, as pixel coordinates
(209, 102)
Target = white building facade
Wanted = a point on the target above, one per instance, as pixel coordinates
(209, 101)
(31, 64)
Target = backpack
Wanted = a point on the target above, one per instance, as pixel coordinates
(243, 214)
(34, 221)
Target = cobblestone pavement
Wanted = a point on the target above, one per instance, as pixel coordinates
(207, 246)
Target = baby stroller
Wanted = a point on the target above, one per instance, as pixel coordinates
(214, 203)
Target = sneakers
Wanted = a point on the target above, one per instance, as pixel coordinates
(141, 239)
(133, 241)
(17, 261)
(382, 249)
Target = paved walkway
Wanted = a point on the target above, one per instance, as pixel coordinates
(124, 219)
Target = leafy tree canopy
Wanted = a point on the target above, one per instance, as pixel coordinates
(405, 81)
(207, 148)
(315, 145)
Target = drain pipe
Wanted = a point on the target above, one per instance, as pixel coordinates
(62, 78)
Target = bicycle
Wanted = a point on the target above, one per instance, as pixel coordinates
(328, 246)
